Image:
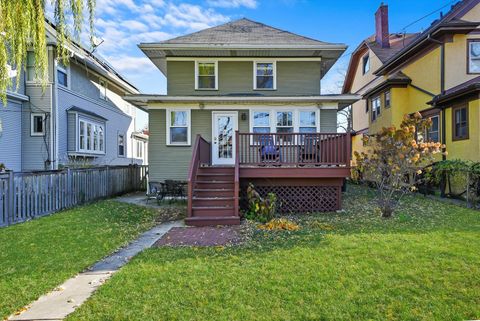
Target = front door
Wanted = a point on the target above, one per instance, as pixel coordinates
(223, 137)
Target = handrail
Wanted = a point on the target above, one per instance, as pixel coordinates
(237, 174)
(198, 158)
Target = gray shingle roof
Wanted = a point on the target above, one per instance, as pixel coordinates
(244, 32)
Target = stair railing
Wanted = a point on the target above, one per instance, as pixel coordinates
(200, 156)
(237, 175)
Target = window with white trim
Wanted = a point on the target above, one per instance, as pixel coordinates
(261, 122)
(62, 75)
(37, 124)
(264, 76)
(284, 122)
(139, 149)
(307, 122)
(103, 89)
(178, 127)
(91, 136)
(474, 56)
(121, 145)
(206, 75)
(30, 67)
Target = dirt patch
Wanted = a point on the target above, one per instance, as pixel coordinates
(201, 236)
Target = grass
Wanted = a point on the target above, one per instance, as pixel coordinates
(424, 264)
(37, 256)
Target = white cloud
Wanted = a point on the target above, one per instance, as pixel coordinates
(233, 3)
(130, 64)
(193, 17)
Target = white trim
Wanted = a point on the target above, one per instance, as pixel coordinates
(32, 117)
(295, 116)
(208, 61)
(159, 46)
(243, 59)
(215, 160)
(123, 135)
(274, 66)
(87, 120)
(189, 126)
(102, 89)
(66, 71)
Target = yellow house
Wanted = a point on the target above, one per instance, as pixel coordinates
(436, 72)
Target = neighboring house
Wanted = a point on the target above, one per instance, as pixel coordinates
(79, 118)
(139, 146)
(264, 83)
(436, 72)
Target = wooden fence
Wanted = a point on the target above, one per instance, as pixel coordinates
(26, 195)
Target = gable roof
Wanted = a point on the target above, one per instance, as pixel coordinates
(242, 38)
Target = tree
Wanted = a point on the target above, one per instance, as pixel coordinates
(395, 159)
(22, 28)
(345, 120)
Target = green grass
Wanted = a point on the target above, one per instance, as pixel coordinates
(424, 264)
(39, 255)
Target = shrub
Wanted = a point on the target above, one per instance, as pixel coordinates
(260, 209)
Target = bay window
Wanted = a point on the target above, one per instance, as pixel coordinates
(376, 103)
(178, 127)
(91, 136)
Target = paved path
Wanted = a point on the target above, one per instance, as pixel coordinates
(59, 303)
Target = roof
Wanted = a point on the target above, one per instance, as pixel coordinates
(463, 90)
(242, 38)
(397, 43)
(85, 112)
(95, 62)
(397, 79)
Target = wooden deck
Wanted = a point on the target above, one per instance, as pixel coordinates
(305, 170)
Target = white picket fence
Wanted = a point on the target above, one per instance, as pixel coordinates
(26, 195)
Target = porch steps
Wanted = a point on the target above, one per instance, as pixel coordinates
(213, 197)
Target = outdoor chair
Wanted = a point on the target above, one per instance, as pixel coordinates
(268, 151)
(154, 189)
(309, 150)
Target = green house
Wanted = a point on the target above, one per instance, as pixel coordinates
(243, 105)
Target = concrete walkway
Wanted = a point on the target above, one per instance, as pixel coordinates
(59, 303)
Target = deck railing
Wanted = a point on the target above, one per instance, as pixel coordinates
(294, 149)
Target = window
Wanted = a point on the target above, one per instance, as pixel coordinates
(474, 56)
(261, 122)
(308, 122)
(121, 145)
(206, 75)
(460, 123)
(433, 133)
(178, 127)
(30, 65)
(375, 107)
(264, 75)
(139, 149)
(285, 122)
(62, 74)
(37, 124)
(91, 136)
(366, 64)
(103, 89)
(388, 99)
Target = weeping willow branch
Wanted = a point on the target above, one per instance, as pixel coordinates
(22, 28)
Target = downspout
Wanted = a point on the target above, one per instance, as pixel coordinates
(53, 120)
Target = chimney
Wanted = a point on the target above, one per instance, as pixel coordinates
(382, 35)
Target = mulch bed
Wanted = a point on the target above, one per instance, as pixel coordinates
(201, 236)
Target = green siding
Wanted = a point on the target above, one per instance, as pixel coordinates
(172, 162)
(236, 77)
(328, 121)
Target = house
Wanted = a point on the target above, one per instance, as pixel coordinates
(80, 118)
(435, 72)
(243, 105)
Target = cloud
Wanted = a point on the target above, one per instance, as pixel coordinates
(129, 64)
(252, 4)
(193, 17)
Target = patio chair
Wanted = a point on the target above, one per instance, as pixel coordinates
(268, 151)
(309, 150)
(175, 189)
(154, 189)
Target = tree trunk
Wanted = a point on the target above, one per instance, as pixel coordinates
(387, 211)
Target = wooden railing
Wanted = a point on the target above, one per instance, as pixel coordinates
(294, 149)
(200, 155)
(237, 175)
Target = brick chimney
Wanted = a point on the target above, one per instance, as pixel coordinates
(382, 35)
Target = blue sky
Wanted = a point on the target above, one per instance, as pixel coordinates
(125, 23)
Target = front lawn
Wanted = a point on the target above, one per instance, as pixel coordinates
(424, 264)
(39, 255)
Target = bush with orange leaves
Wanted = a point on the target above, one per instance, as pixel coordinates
(395, 158)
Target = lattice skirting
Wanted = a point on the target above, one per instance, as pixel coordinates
(301, 199)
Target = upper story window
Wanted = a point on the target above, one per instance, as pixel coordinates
(460, 123)
(376, 104)
(62, 75)
(121, 145)
(366, 64)
(264, 75)
(37, 124)
(30, 66)
(91, 136)
(178, 127)
(433, 133)
(103, 89)
(388, 99)
(206, 75)
(474, 56)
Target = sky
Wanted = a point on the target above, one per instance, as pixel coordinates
(123, 24)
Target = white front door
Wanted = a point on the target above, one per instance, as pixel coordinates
(224, 125)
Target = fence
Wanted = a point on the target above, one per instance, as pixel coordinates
(26, 195)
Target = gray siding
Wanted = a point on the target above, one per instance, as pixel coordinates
(172, 162)
(328, 121)
(71, 132)
(236, 77)
(11, 135)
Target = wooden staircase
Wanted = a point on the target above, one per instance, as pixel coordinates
(212, 190)
(213, 199)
